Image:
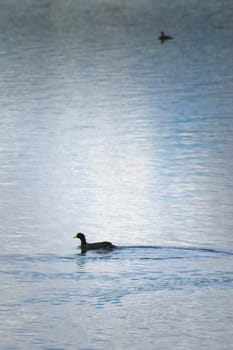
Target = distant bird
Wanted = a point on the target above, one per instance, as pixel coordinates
(164, 37)
(93, 246)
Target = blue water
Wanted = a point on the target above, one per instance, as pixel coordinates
(135, 296)
(106, 131)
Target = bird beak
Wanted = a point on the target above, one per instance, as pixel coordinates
(75, 236)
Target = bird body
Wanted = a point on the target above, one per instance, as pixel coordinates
(93, 246)
(164, 37)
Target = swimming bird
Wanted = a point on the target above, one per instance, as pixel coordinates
(164, 37)
(93, 246)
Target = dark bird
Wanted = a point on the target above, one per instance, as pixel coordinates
(164, 37)
(93, 246)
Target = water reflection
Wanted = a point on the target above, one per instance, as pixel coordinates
(106, 131)
(113, 134)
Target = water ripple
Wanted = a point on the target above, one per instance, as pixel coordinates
(127, 270)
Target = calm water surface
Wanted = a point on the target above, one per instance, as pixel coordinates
(106, 131)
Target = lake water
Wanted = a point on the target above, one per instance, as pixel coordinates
(106, 131)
